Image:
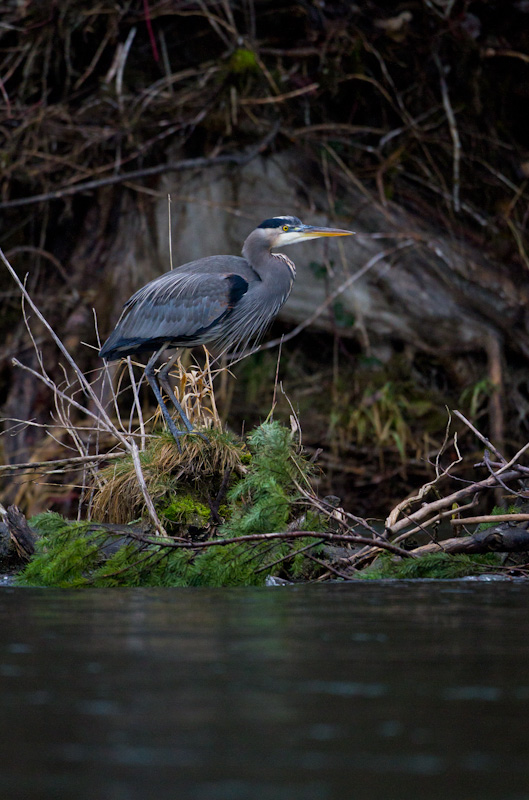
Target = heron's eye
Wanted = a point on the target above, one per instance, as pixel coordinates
(285, 228)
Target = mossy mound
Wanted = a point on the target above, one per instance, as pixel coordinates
(179, 483)
(264, 498)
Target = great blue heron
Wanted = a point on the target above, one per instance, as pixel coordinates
(227, 301)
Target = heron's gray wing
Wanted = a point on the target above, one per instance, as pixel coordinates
(181, 307)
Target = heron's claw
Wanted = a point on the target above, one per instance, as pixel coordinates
(177, 434)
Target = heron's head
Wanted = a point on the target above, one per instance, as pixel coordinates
(279, 231)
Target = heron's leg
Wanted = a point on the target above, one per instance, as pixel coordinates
(151, 377)
(163, 378)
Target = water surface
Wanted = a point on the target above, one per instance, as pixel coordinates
(384, 690)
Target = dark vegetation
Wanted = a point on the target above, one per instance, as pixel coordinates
(420, 105)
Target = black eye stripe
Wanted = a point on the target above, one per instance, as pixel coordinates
(278, 222)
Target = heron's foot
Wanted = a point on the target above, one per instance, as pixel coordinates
(202, 435)
(177, 434)
(193, 432)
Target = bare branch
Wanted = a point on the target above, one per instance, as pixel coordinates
(264, 537)
(487, 518)
(147, 172)
(480, 436)
(454, 133)
(446, 502)
(59, 464)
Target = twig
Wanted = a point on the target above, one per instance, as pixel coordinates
(454, 133)
(485, 518)
(39, 251)
(424, 490)
(437, 518)
(276, 379)
(497, 540)
(84, 383)
(260, 101)
(148, 22)
(123, 55)
(486, 461)
(102, 420)
(136, 403)
(217, 23)
(328, 568)
(444, 502)
(369, 552)
(295, 425)
(480, 436)
(88, 71)
(443, 8)
(263, 537)
(135, 453)
(6, 99)
(330, 511)
(105, 422)
(514, 459)
(173, 166)
(288, 556)
(491, 53)
(170, 232)
(58, 464)
(444, 445)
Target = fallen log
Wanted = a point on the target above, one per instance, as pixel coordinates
(505, 538)
(21, 536)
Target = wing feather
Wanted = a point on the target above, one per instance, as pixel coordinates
(181, 307)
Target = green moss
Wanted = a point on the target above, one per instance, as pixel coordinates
(434, 565)
(64, 552)
(242, 60)
(187, 511)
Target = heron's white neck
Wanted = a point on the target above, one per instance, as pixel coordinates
(271, 267)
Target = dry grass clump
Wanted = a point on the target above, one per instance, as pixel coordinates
(194, 390)
(192, 384)
(196, 466)
(199, 469)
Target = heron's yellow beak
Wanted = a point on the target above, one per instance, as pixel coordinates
(305, 232)
(312, 231)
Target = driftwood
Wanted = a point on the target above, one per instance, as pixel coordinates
(505, 538)
(22, 538)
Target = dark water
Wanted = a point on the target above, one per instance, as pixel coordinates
(417, 690)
